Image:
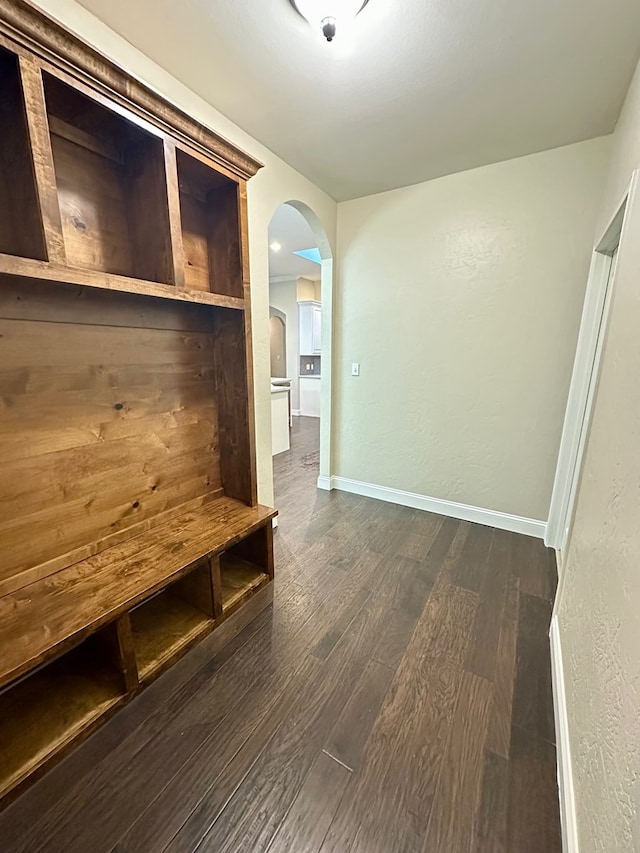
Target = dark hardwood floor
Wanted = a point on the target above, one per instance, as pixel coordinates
(396, 699)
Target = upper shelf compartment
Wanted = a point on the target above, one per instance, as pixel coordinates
(111, 182)
(209, 212)
(20, 224)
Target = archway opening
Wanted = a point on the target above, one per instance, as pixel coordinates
(301, 295)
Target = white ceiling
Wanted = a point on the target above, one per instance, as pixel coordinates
(420, 88)
(290, 229)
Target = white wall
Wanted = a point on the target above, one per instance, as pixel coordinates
(461, 299)
(283, 296)
(272, 186)
(600, 592)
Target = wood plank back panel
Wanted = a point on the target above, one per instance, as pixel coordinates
(20, 226)
(114, 423)
(235, 407)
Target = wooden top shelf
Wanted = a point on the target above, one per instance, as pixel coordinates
(41, 620)
(43, 271)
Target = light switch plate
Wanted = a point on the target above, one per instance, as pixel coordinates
(355, 369)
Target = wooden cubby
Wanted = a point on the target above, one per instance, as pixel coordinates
(246, 567)
(171, 621)
(130, 527)
(20, 224)
(112, 190)
(48, 709)
(210, 228)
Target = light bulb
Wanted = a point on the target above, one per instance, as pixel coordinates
(329, 15)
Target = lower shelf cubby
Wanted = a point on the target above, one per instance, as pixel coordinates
(246, 567)
(167, 624)
(52, 707)
(239, 579)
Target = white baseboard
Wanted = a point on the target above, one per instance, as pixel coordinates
(563, 745)
(489, 517)
(295, 413)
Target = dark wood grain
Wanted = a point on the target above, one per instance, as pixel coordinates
(534, 819)
(491, 826)
(483, 649)
(306, 823)
(533, 693)
(457, 797)
(500, 726)
(349, 735)
(534, 565)
(471, 570)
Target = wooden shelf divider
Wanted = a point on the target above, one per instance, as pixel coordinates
(42, 154)
(39, 270)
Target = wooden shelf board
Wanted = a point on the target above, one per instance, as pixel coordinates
(43, 714)
(43, 271)
(239, 579)
(162, 628)
(42, 619)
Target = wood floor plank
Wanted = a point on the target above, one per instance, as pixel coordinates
(403, 619)
(208, 780)
(346, 740)
(535, 617)
(534, 816)
(531, 564)
(306, 824)
(457, 798)
(499, 738)
(533, 694)
(386, 807)
(483, 649)
(532, 691)
(492, 821)
(327, 642)
(470, 571)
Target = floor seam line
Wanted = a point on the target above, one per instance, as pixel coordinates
(337, 760)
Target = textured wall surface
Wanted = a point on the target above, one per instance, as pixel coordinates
(275, 184)
(461, 298)
(599, 607)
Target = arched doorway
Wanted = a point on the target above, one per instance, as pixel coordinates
(288, 267)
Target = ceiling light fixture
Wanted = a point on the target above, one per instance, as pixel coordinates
(328, 15)
(275, 246)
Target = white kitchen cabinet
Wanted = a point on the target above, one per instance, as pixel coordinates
(310, 396)
(279, 420)
(310, 322)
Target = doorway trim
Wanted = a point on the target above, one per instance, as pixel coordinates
(586, 371)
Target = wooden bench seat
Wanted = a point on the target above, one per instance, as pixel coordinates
(41, 620)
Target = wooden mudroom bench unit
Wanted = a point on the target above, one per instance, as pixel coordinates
(129, 521)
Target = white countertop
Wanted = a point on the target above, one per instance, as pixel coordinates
(310, 376)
